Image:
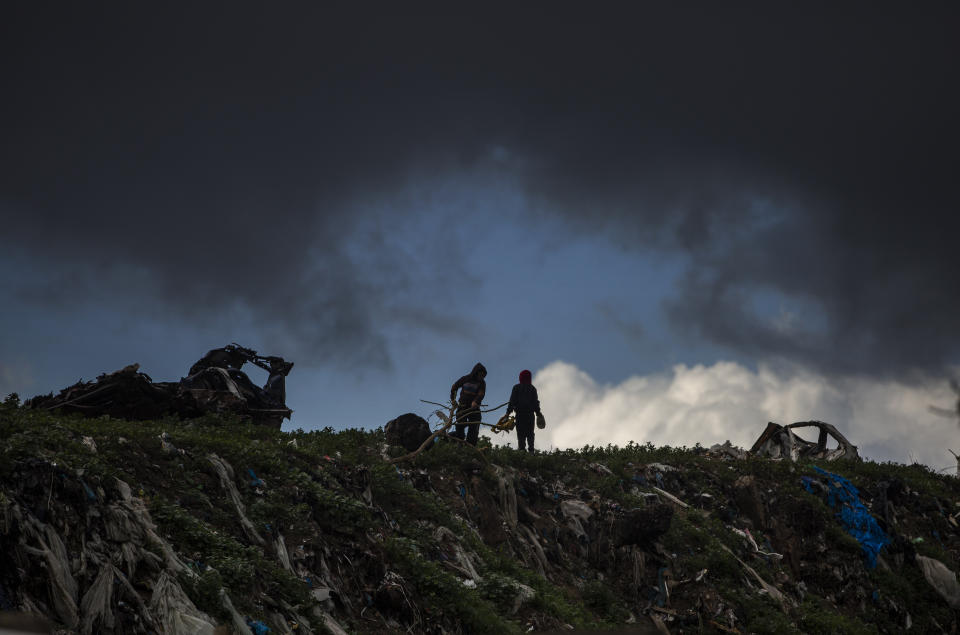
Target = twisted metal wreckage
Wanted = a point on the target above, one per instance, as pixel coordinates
(779, 441)
(214, 384)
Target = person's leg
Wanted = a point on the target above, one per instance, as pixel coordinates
(460, 426)
(524, 429)
(473, 430)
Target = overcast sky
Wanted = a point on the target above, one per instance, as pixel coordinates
(736, 199)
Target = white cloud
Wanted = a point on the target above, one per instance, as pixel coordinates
(887, 420)
(14, 378)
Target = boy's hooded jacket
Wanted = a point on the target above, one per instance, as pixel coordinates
(524, 396)
(473, 386)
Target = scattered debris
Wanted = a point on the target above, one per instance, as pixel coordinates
(225, 472)
(746, 535)
(174, 610)
(215, 384)
(771, 590)
(343, 541)
(727, 450)
(670, 497)
(780, 442)
(600, 468)
(942, 579)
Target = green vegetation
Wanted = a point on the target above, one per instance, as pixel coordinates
(353, 522)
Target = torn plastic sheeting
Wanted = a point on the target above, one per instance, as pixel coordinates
(89, 443)
(745, 534)
(576, 512)
(443, 535)
(239, 624)
(771, 590)
(534, 544)
(95, 605)
(284, 627)
(524, 595)
(670, 497)
(576, 509)
(506, 479)
(258, 627)
(225, 472)
(728, 450)
(853, 514)
(63, 587)
(942, 579)
(661, 467)
(282, 554)
(175, 612)
(136, 511)
(331, 624)
(297, 622)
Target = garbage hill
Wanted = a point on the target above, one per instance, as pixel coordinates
(217, 525)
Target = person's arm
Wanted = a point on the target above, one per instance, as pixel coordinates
(536, 400)
(513, 401)
(480, 394)
(456, 386)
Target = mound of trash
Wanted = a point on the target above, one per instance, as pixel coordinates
(215, 384)
(216, 525)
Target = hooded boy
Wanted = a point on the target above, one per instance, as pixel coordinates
(472, 388)
(525, 402)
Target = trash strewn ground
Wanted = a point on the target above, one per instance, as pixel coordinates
(171, 526)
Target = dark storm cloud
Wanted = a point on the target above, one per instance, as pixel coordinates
(219, 151)
(813, 155)
(207, 157)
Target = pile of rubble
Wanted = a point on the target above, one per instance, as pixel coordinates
(215, 384)
(107, 529)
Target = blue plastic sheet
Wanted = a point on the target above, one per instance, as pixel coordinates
(662, 594)
(254, 481)
(90, 493)
(855, 517)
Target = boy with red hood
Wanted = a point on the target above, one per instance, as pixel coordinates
(525, 402)
(472, 388)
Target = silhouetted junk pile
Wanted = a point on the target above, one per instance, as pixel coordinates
(214, 384)
(779, 441)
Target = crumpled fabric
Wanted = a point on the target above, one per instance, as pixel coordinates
(853, 514)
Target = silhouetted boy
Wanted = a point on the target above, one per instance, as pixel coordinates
(525, 402)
